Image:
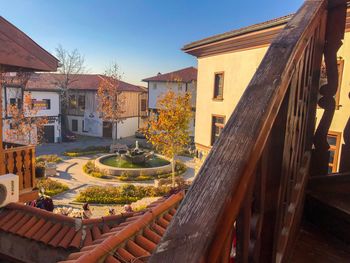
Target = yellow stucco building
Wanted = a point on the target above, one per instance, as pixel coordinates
(226, 64)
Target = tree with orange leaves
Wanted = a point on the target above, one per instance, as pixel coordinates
(23, 124)
(168, 131)
(111, 101)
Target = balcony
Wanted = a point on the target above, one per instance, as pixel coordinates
(20, 160)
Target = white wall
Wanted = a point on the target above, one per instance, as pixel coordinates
(54, 97)
(80, 119)
(128, 127)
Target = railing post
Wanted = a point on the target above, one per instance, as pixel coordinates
(2, 163)
(334, 34)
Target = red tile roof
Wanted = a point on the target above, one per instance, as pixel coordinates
(55, 230)
(185, 75)
(135, 239)
(49, 81)
(19, 50)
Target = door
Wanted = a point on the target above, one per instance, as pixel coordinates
(107, 129)
(49, 134)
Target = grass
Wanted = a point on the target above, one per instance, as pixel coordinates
(125, 194)
(52, 187)
(121, 163)
(86, 151)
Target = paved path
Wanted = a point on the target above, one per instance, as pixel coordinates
(70, 172)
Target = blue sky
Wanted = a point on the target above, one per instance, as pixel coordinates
(143, 36)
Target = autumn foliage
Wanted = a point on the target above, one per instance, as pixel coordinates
(24, 126)
(111, 101)
(168, 131)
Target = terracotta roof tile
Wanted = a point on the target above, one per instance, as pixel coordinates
(36, 225)
(184, 75)
(133, 240)
(50, 81)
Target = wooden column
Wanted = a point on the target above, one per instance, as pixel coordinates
(334, 34)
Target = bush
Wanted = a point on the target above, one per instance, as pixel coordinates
(86, 151)
(50, 158)
(92, 170)
(125, 194)
(52, 187)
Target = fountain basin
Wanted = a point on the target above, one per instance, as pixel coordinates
(157, 166)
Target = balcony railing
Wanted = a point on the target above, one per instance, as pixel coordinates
(20, 160)
(251, 186)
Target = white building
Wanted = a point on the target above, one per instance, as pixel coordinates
(46, 101)
(83, 117)
(180, 81)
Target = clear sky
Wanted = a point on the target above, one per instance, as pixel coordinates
(143, 36)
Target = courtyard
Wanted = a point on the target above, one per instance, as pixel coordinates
(70, 172)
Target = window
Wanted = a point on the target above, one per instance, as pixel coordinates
(218, 86)
(333, 139)
(75, 125)
(81, 102)
(72, 102)
(143, 105)
(218, 123)
(13, 101)
(83, 126)
(48, 104)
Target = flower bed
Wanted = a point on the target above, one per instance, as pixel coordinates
(40, 163)
(125, 194)
(86, 151)
(52, 187)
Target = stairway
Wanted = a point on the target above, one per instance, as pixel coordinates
(325, 233)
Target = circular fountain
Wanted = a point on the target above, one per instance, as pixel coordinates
(134, 161)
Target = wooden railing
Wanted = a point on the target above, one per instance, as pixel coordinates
(21, 161)
(251, 186)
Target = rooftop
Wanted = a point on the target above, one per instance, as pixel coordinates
(184, 75)
(241, 31)
(50, 81)
(126, 236)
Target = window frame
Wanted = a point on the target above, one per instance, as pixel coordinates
(71, 98)
(80, 107)
(215, 97)
(48, 104)
(336, 148)
(212, 141)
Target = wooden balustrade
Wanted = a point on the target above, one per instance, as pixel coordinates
(21, 161)
(252, 183)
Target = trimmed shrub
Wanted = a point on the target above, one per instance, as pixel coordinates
(50, 158)
(52, 187)
(92, 170)
(124, 194)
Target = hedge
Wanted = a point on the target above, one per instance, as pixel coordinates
(124, 194)
(52, 187)
(86, 151)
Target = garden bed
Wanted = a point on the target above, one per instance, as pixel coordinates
(86, 151)
(125, 194)
(52, 187)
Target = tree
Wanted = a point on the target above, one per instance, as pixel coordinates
(71, 65)
(169, 130)
(111, 101)
(23, 124)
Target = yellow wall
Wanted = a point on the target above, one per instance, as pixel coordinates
(238, 67)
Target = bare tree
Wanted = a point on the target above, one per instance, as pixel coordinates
(71, 65)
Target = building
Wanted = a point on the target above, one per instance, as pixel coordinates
(45, 99)
(83, 117)
(180, 81)
(227, 63)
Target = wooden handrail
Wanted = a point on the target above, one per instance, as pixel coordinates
(257, 170)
